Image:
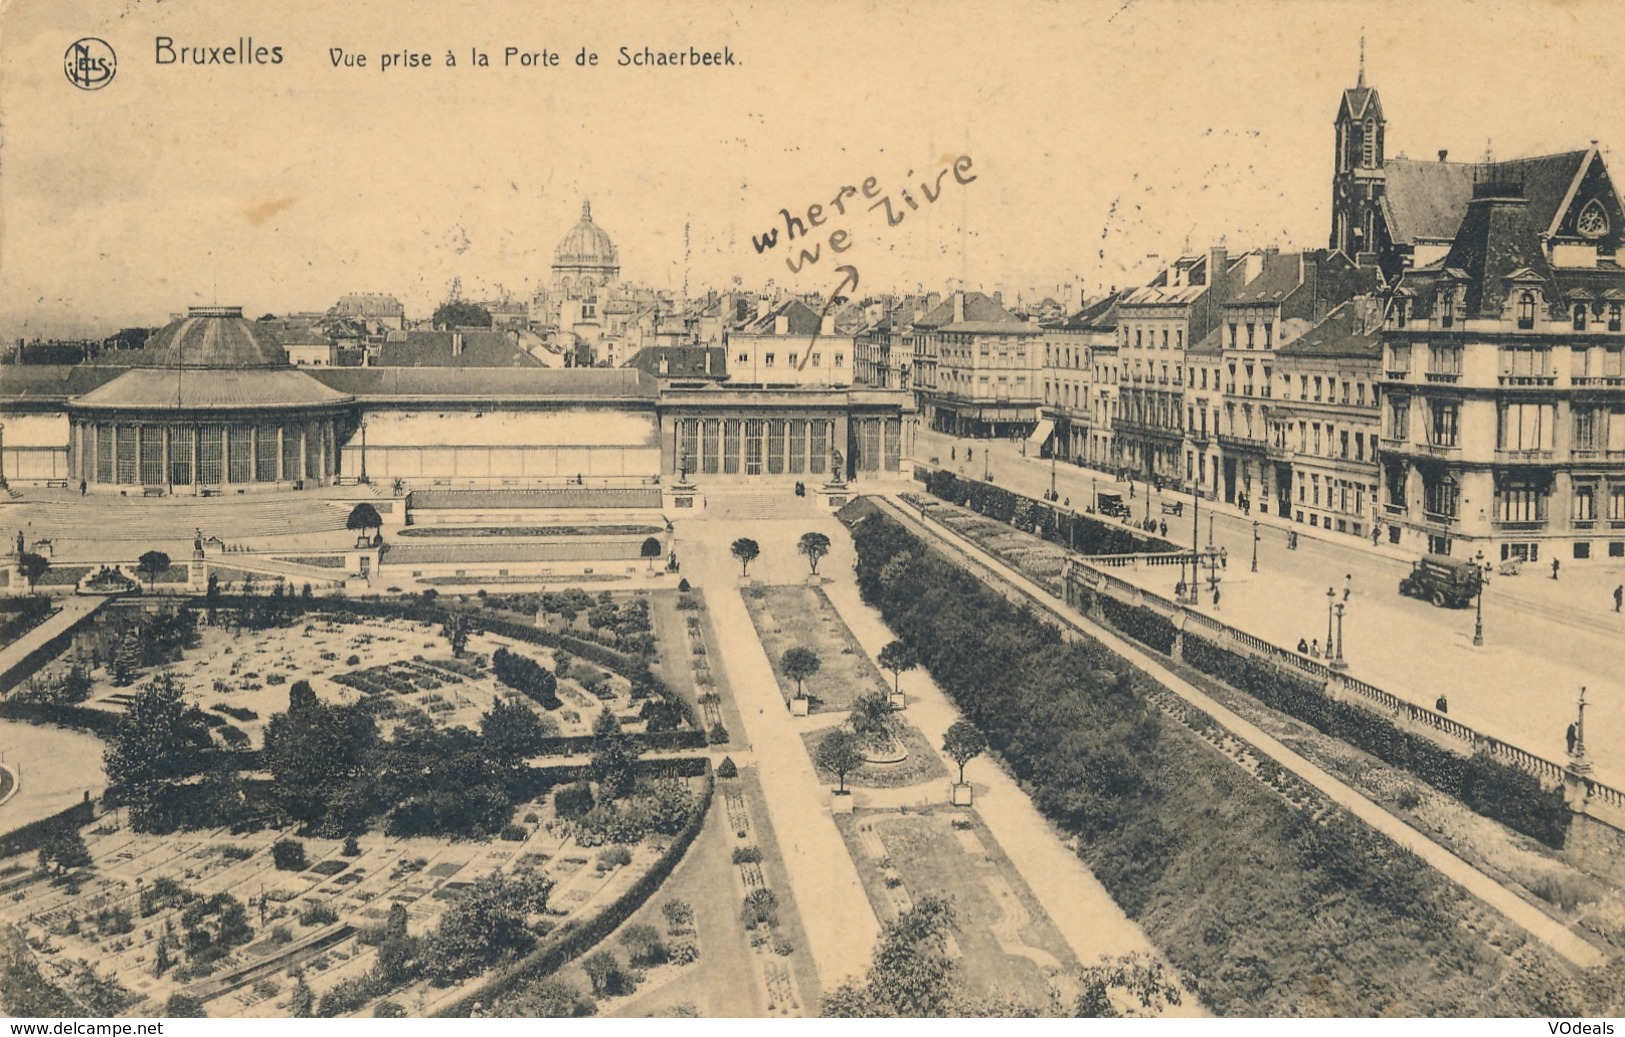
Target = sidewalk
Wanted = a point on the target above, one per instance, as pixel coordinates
(1085, 913)
(1486, 889)
(73, 609)
(841, 927)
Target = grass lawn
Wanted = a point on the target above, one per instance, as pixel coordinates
(1007, 945)
(528, 531)
(922, 764)
(679, 668)
(788, 617)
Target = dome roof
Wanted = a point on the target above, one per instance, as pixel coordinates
(213, 336)
(586, 244)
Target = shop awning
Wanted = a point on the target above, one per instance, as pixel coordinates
(1041, 434)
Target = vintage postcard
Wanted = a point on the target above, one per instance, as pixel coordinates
(726, 509)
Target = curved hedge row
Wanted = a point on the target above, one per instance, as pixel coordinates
(571, 940)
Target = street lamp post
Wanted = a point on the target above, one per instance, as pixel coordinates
(1331, 597)
(363, 451)
(1579, 761)
(1255, 545)
(1337, 662)
(987, 465)
(1478, 616)
(2, 456)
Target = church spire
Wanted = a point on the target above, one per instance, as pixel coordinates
(1361, 81)
(586, 211)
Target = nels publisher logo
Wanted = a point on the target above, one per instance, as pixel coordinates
(90, 63)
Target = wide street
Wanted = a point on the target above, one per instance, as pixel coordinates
(1543, 639)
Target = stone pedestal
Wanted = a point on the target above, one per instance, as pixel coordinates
(799, 706)
(840, 802)
(898, 700)
(681, 498)
(959, 794)
(834, 495)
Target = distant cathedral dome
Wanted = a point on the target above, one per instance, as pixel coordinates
(586, 249)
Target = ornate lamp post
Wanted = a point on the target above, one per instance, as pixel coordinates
(1337, 662)
(1579, 761)
(1478, 617)
(1331, 598)
(987, 464)
(364, 479)
(1255, 545)
(2, 456)
(1052, 494)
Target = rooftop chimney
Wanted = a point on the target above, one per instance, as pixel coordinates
(1218, 262)
(762, 306)
(959, 307)
(998, 297)
(1443, 154)
(827, 325)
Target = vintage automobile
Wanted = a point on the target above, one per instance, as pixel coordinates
(1446, 582)
(1111, 505)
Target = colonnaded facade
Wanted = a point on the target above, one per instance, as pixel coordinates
(210, 405)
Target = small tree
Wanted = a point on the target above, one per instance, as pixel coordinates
(815, 546)
(871, 713)
(650, 550)
(964, 741)
(839, 753)
(898, 657)
(800, 663)
(64, 850)
(31, 567)
(152, 565)
(679, 915)
(455, 631)
(746, 550)
(601, 967)
(363, 517)
(1145, 981)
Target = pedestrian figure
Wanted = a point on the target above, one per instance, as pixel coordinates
(82, 493)
(1131, 489)
(1442, 705)
(951, 455)
(1314, 648)
(1554, 568)
(1215, 597)
(1619, 597)
(1224, 558)
(969, 453)
(1067, 503)
(1376, 535)
(1165, 536)
(1303, 647)
(1571, 737)
(1348, 586)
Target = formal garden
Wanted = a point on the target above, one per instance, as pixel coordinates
(1264, 907)
(320, 809)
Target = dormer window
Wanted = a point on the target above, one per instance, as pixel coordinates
(1579, 316)
(1526, 311)
(1447, 313)
(1401, 308)
(1613, 316)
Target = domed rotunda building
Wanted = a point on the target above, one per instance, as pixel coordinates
(586, 258)
(209, 405)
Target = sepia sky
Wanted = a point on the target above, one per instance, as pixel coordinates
(1100, 134)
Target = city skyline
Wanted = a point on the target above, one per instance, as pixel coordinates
(1104, 140)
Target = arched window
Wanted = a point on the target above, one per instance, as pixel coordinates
(1368, 144)
(1342, 147)
(1579, 316)
(1526, 310)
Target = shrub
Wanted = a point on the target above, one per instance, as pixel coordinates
(614, 857)
(184, 1006)
(718, 735)
(727, 768)
(761, 909)
(281, 934)
(514, 833)
(389, 1010)
(352, 848)
(683, 952)
(679, 915)
(747, 855)
(317, 914)
(573, 800)
(289, 855)
(682, 585)
(643, 944)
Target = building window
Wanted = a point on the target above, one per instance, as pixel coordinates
(730, 447)
(818, 359)
(1400, 418)
(1520, 501)
(1368, 144)
(817, 447)
(104, 453)
(1440, 497)
(688, 444)
(840, 359)
(1343, 441)
(1524, 426)
(1232, 336)
(1446, 309)
(743, 358)
(1613, 316)
(767, 359)
(1579, 316)
(1443, 431)
(152, 455)
(1397, 475)
(792, 359)
(1616, 502)
(1585, 428)
(1249, 334)
(1359, 446)
(1526, 310)
(1444, 359)
(775, 447)
(266, 454)
(1584, 505)
(710, 445)
(798, 446)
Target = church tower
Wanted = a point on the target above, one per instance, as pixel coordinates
(1357, 181)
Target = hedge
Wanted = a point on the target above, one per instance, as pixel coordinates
(98, 722)
(572, 940)
(32, 835)
(1483, 784)
(1080, 532)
